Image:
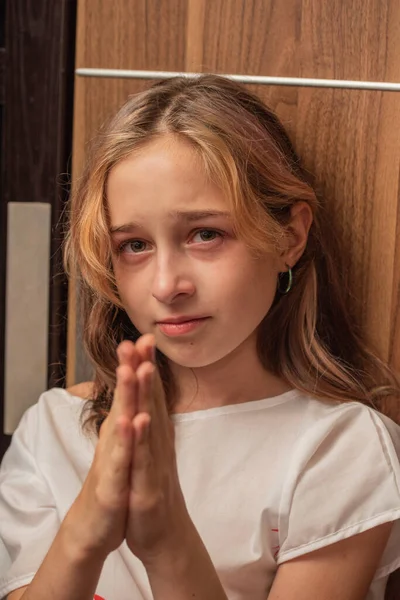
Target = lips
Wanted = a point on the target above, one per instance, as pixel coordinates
(182, 327)
(177, 320)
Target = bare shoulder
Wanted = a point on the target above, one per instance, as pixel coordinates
(83, 390)
(17, 594)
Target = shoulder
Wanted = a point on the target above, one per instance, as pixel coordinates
(55, 418)
(324, 415)
(343, 478)
(340, 430)
(82, 390)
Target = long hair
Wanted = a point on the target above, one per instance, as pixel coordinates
(309, 336)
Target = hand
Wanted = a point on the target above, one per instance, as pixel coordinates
(96, 522)
(158, 519)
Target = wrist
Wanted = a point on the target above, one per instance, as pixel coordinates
(184, 571)
(175, 553)
(76, 548)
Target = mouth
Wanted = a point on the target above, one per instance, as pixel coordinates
(181, 327)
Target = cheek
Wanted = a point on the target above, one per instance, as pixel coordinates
(252, 291)
(129, 286)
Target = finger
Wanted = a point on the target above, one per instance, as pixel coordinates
(141, 426)
(141, 475)
(145, 375)
(128, 355)
(149, 403)
(119, 452)
(125, 400)
(145, 347)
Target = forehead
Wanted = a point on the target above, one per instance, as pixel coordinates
(166, 173)
(164, 160)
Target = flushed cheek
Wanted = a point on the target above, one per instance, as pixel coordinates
(252, 296)
(134, 300)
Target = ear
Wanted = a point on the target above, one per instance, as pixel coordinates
(297, 234)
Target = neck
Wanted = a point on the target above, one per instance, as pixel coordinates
(238, 377)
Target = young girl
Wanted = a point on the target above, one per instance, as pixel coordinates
(244, 458)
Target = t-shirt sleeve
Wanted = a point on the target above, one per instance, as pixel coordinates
(28, 517)
(344, 479)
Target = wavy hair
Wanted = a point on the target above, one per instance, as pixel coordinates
(309, 336)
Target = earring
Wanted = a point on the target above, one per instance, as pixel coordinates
(290, 281)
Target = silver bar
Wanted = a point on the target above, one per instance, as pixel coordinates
(256, 79)
(27, 308)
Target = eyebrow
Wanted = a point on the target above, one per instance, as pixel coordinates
(186, 216)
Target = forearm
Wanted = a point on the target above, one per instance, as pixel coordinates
(187, 572)
(65, 573)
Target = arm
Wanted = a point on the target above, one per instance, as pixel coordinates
(343, 570)
(17, 594)
(64, 574)
(185, 572)
(94, 525)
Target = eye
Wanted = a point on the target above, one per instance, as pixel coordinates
(131, 247)
(136, 246)
(209, 235)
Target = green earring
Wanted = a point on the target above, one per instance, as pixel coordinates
(289, 284)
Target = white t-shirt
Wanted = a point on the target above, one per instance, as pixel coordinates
(264, 481)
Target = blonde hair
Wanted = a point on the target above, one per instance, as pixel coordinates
(309, 336)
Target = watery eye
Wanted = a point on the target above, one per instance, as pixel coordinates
(207, 235)
(132, 247)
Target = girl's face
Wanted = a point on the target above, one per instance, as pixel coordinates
(175, 255)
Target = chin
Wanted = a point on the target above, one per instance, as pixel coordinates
(193, 356)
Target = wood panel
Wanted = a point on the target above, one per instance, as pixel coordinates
(297, 38)
(144, 34)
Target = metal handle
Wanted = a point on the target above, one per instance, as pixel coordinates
(255, 79)
(27, 308)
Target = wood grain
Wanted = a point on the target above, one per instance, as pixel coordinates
(144, 34)
(295, 38)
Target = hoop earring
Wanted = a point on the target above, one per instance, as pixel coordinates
(289, 284)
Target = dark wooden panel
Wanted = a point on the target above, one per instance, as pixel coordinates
(2, 22)
(4, 439)
(393, 587)
(2, 70)
(37, 132)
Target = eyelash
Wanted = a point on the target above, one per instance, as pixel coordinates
(123, 245)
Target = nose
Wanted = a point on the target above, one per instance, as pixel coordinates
(171, 279)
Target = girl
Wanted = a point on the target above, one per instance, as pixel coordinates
(244, 459)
